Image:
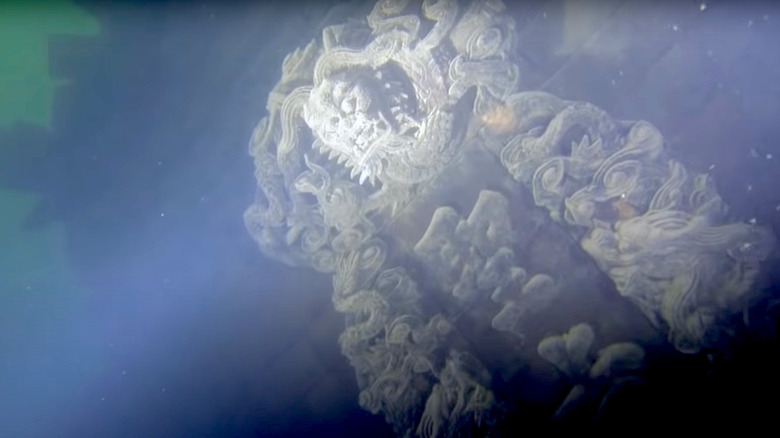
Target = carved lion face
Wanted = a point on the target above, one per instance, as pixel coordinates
(363, 116)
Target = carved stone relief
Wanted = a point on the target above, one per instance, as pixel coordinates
(362, 127)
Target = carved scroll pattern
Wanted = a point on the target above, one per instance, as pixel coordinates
(403, 365)
(661, 234)
(353, 126)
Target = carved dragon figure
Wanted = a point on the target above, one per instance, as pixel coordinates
(365, 124)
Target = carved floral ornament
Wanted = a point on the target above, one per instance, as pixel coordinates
(364, 120)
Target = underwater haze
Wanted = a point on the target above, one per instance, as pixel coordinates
(409, 218)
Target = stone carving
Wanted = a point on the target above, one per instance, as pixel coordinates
(356, 125)
(461, 249)
(662, 235)
(472, 258)
(364, 122)
(536, 296)
(595, 381)
(385, 108)
(461, 401)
